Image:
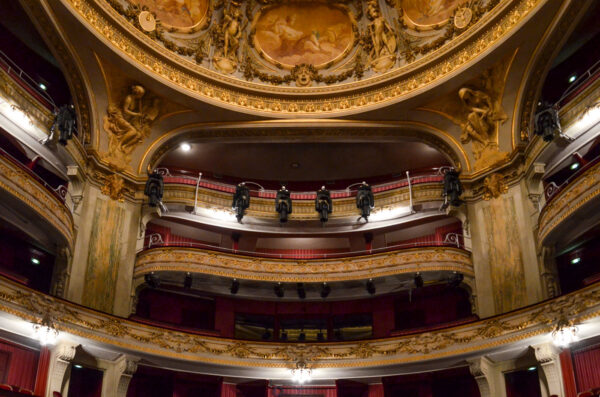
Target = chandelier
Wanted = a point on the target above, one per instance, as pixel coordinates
(301, 374)
(45, 331)
(564, 334)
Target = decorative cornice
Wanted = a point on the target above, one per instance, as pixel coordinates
(31, 192)
(25, 101)
(579, 192)
(194, 79)
(288, 270)
(470, 338)
(303, 209)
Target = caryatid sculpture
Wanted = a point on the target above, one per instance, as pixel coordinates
(365, 200)
(241, 200)
(323, 204)
(283, 204)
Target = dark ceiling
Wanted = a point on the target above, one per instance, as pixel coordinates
(303, 162)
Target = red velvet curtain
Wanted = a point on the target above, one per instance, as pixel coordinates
(376, 390)
(587, 368)
(228, 390)
(42, 372)
(22, 366)
(568, 373)
(303, 391)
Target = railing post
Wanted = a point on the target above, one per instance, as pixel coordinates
(196, 196)
(410, 191)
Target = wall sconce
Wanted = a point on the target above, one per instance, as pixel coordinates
(565, 333)
(301, 374)
(45, 331)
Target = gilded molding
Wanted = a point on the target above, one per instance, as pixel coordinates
(474, 337)
(26, 103)
(28, 190)
(579, 192)
(303, 209)
(108, 23)
(288, 270)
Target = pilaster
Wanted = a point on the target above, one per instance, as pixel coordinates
(62, 355)
(118, 376)
(483, 370)
(548, 356)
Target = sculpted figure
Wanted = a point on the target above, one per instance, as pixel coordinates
(241, 200)
(365, 200)
(383, 40)
(323, 204)
(128, 125)
(231, 29)
(283, 204)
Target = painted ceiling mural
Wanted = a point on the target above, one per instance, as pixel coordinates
(303, 42)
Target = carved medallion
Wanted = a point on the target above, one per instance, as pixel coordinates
(462, 17)
(147, 21)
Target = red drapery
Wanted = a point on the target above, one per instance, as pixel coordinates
(587, 368)
(22, 367)
(42, 372)
(566, 364)
(228, 390)
(376, 390)
(302, 391)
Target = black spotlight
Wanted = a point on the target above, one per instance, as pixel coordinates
(320, 336)
(371, 287)
(301, 336)
(325, 290)
(419, 280)
(301, 291)
(455, 279)
(278, 288)
(152, 280)
(235, 286)
(283, 336)
(547, 122)
(187, 281)
(266, 335)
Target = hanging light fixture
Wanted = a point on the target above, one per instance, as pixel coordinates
(301, 374)
(45, 331)
(565, 333)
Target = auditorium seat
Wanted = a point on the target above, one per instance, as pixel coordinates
(56, 394)
(5, 387)
(25, 391)
(586, 394)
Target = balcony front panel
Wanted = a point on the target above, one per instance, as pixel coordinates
(517, 327)
(568, 201)
(26, 188)
(288, 270)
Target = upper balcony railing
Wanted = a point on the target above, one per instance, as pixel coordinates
(188, 178)
(26, 82)
(552, 189)
(455, 240)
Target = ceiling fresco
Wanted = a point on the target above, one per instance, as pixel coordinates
(303, 43)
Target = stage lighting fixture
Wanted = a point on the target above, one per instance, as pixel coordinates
(152, 280)
(325, 290)
(371, 287)
(455, 279)
(301, 291)
(187, 281)
(279, 292)
(419, 280)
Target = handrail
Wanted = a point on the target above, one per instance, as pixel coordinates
(450, 240)
(302, 195)
(31, 83)
(552, 189)
(593, 71)
(59, 192)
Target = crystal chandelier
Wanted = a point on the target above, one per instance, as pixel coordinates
(564, 334)
(45, 331)
(301, 374)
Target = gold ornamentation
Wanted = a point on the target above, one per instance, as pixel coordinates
(288, 270)
(494, 186)
(380, 42)
(462, 17)
(230, 32)
(147, 21)
(128, 125)
(114, 187)
(475, 337)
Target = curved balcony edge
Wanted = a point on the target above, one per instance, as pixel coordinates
(303, 209)
(536, 321)
(567, 201)
(29, 190)
(243, 267)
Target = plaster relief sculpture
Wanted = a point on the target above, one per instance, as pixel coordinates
(494, 186)
(114, 187)
(176, 13)
(230, 32)
(128, 125)
(381, 40)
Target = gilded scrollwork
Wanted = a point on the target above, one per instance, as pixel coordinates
(494, 186)
(127, 125)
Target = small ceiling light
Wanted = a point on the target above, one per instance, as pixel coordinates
(371, 287)
(186, 147)
(325, 290)
(572, 78)
(564, 334)
(575, 261)
(295, 164)
(77, 366)
(35, 261)
(279, 291)
(419, 282)
(531, 368)
(574, 166)
(301, 291)
(235, 286)
(187, 281)
(43, 86)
